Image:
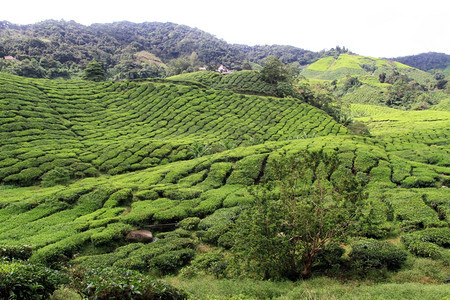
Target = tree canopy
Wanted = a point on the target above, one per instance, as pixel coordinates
(312, 204)
(94, 72)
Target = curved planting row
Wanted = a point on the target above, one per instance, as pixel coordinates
(247, 82)
(204, 194)
(88, 128)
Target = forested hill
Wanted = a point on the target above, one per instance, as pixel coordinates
(426, 61)
(54, 49)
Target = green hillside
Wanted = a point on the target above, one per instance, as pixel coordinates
(126, 50)
(367, 80)
(247, 82)
(82, 164)
(111, 127)
(331, 68)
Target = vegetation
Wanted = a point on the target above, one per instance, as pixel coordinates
(367, 80)
(282, 235)
(426, 61)
(220, 180)
(61, 49)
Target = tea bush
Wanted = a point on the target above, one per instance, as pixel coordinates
(428, 242)
(16, 252)
(117, 283)
(373, 254)
(22, 280)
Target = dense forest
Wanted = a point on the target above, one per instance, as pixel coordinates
(426, 61)
(53, 49)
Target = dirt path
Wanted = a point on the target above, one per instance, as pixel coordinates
(332, 64)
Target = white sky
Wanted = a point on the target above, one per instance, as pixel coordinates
(382, 28)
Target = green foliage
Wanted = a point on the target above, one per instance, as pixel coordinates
(189, 223)
(422, 248)
(247, 170)
(282, 234)
(172, 261)
(117, 283)
(209, 263)
(369, 254)
(94, 72)
(16, 252)
(21, 280)
(80, 126)
(426, 61)
(58, 175)
(217, 224)
(112, 233)
(317, 288)
(274, 71)
(138, 135)
(60, 251)
(128, 50)
(428, 242)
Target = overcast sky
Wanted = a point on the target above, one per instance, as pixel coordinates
(382, 28)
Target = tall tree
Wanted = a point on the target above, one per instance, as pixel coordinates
(94, 72)
(274, 71)
(314, 204)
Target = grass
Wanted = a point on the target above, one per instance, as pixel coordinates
(318, 288)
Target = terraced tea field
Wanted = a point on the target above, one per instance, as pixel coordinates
(248, 82)
(117, 127)
(179, 158)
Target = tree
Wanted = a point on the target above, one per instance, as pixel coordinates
(312, 203)
(274, 71)
(94, 72)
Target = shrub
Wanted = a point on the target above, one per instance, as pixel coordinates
(374, 254)
(439, 236)
(146, 195)
(61, 250)
(121, 197)
(418, 182)
(210, 263)
(172, 261)
(116, 283)
(58, 175)
(423, 249)
(329, 258)
(217, 224)
(20, 280)
(113, 232)
(425, 243)
(16, 252)
(189, 223)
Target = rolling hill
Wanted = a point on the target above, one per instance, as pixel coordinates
(83, 164)
(367, 80)
(60, 49)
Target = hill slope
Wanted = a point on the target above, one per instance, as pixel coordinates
(53, 49)
(426, 61)
(157, 136)
(359, 79)
(116, 127)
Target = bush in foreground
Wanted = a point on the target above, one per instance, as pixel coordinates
(22, 280)
(373, 254)
(116, 283)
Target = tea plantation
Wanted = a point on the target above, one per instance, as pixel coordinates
(83, 164)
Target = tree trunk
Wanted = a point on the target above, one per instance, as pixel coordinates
(307, 265)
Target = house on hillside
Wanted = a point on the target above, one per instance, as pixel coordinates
(223, 70)
(9, 58)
